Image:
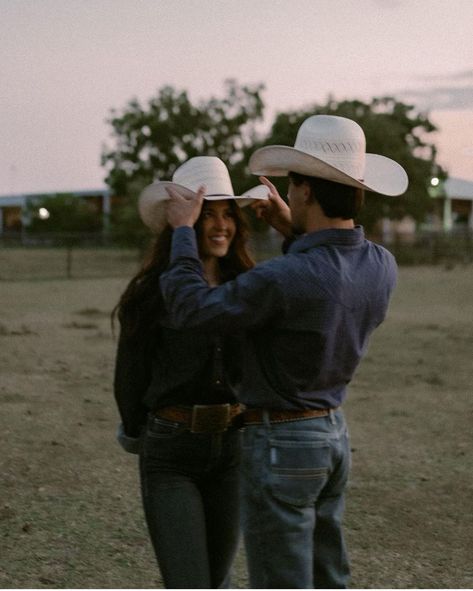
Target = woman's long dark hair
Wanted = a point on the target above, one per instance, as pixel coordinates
(140, 305)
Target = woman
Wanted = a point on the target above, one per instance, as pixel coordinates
(175, 391)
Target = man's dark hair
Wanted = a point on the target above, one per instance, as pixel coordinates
(335, 199)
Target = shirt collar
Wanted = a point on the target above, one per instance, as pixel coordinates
(335, 236)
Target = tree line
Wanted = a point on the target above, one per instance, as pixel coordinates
(150, 140)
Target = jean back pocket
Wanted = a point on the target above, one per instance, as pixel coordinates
(298, 469)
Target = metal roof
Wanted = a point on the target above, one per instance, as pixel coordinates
(459, 189)
(20, 199)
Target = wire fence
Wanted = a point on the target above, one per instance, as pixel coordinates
(59, 256)
(434, 248)
(75, 256)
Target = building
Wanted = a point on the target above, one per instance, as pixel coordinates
(457, 204)
(13, 207)
(452, 212)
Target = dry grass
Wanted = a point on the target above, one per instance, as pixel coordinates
(70, 513)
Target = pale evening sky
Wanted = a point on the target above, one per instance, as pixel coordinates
(65, 63)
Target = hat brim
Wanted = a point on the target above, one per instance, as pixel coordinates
(382, 175)
(151, 204)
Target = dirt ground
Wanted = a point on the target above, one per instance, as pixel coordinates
(70, 513)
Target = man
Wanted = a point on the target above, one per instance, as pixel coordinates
(308, 315)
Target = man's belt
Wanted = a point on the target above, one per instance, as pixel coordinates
(255, 416)
(204, 418)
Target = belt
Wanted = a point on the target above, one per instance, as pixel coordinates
(255, 416)
(203, 418)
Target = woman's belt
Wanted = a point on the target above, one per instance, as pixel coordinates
(204, 418)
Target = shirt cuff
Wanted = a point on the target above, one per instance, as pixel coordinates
(288, 241)
(184, 243)
(129, 444)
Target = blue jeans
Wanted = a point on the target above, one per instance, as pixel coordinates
(189, 484)
(294, 476)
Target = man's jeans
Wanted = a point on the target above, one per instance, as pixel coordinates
(190, 494)
(293, 479)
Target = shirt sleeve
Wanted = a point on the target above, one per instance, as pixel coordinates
(131, 380)
(252, 298)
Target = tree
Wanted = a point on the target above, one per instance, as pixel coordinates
(151, 141)
(61, 213)
(392, 129)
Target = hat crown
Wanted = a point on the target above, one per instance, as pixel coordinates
(336, 140)
(204, 170)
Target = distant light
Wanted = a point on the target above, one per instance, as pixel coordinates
(434, 181)
(43, 213)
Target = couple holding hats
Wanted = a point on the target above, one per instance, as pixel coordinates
(230, 376)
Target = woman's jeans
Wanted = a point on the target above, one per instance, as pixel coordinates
(190, 483)
(293, 481)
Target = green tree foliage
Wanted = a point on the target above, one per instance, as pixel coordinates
(392, 129)
(150, 141)
(63, 213)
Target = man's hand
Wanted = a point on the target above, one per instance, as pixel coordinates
(182, 210)
(275, 210)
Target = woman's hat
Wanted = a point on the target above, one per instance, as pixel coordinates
(332, 148)
(209, 171)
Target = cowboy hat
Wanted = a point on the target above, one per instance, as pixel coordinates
(332, 148)
(209, 171)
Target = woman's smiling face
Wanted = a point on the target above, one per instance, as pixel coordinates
(217, 228)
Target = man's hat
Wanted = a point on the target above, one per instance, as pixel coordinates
(209, 171)
(332, 148)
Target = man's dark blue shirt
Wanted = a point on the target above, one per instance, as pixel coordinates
(307, 314)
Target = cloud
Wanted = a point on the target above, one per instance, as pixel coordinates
(462, 76)
(445, 92)
(443, 98)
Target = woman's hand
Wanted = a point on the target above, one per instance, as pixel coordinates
(275, 210)
(182, 210)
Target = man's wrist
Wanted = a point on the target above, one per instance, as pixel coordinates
(285, 229)
(287, 233)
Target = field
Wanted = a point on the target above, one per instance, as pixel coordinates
(70, 512)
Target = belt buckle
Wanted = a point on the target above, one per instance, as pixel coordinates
(210, 418)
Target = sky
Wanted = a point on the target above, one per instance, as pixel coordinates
(64, 64)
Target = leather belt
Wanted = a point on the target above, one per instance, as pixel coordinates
(203, 418)
(255, 416)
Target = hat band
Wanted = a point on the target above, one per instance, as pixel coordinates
(349, 157)
(314, 146)
(219, 195)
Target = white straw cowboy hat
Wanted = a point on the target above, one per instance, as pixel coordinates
(209, 171)
(332, 148)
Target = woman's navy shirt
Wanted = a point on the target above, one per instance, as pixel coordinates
(181, 367)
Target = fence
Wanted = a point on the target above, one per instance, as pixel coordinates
(87, 256)
(433, 248)
(58, 256)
